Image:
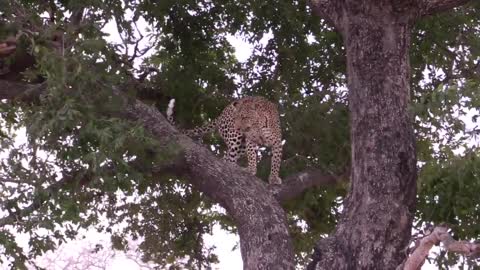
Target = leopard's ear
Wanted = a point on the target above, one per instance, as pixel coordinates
(235, 103)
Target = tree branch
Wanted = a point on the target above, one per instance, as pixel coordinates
(18, 91)
(259, 217)
(293, 185)
(329, 10)
(439, 234)
(261, 221)
(430, 7)
(297, 183)
(253, 204)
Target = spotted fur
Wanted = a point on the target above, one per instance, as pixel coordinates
(246, 124)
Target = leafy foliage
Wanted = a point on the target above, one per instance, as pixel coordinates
(83, 162)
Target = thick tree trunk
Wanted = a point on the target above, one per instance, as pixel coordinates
(381, 204)
(376, 223)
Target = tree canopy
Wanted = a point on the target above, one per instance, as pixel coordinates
(85, 159)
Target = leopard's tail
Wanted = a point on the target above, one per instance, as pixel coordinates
(196, 132)
(200, 131)
(171, 104)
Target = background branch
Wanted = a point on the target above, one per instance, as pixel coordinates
(430, 7)
(329, 10)
(296, 184)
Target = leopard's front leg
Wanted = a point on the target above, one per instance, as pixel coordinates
(274, 177)
(252, 156)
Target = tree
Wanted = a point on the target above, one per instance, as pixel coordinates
(377, 41)
(94, 124)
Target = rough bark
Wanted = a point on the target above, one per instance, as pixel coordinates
(376, 222)
(383, 150)
(375, 227)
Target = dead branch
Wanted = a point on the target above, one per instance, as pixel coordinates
(6, 49)
(439, 235)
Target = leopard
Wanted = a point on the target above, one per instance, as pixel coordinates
(245, 125)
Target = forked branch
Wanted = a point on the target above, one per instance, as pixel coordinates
(440, 235)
